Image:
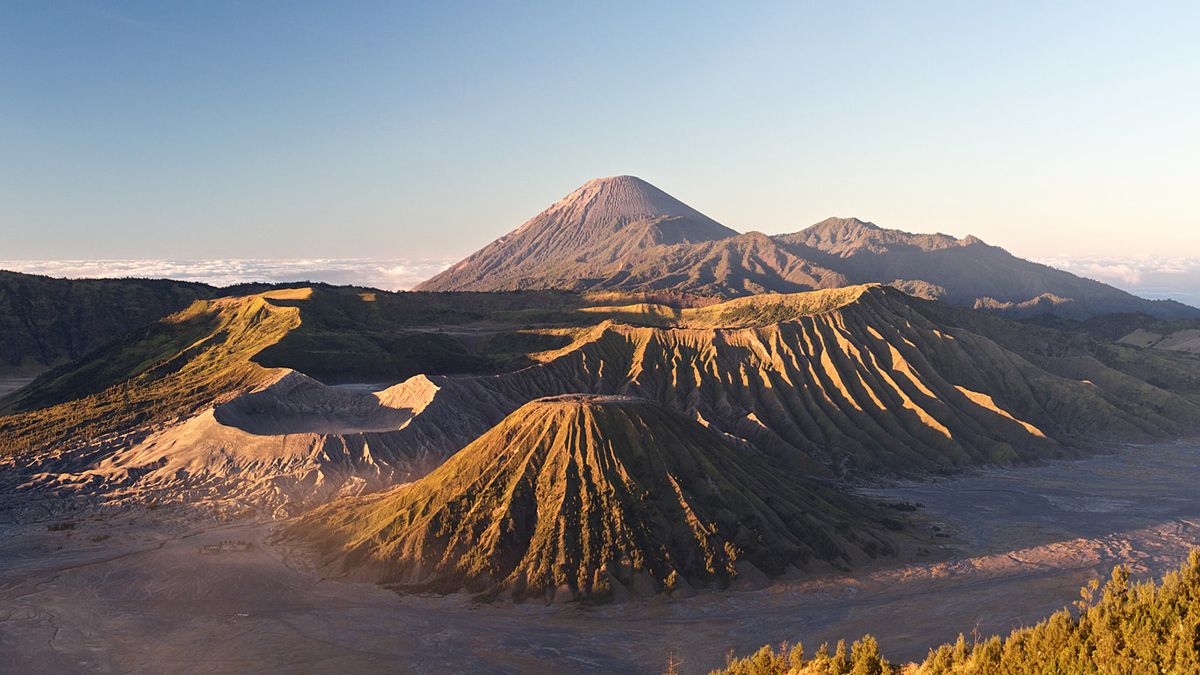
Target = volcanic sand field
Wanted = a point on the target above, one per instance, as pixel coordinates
(135, 591)
(10, 384)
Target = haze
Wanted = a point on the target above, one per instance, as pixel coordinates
(207, 130)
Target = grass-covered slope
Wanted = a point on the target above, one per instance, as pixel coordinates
(1125, 628)
(360, 335)
(46, 321)
(183, 364)
(584, 497)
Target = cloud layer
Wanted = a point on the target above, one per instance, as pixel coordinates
(1157, 277)
(391, 275)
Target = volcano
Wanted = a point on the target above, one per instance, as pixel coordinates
(586, 497)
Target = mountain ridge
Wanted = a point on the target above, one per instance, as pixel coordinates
(610, 254)
(46, 321)
(846, 383)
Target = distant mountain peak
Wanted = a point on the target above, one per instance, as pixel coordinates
(622, 233)
(625, 198)
(849, 236)
(836, 223)
(601, 221)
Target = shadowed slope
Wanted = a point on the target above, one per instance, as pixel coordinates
(46, 321)
(581, 497)
(172, 370)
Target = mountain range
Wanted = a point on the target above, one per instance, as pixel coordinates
(620, 398)
(621, 233)
(839, 384)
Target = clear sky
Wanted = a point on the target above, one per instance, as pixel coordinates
(355, 129)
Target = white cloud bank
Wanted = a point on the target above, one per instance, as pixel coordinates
(390, 275)
(1157, 277)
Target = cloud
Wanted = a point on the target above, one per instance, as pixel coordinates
(1157, 277)
(390, 275)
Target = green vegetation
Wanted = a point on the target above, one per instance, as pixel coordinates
(46, 321)
(357, 335)
(1070, 352)
(840, 382)
(186, 362)
(1123, 628)
(765, 310)
(130, 356)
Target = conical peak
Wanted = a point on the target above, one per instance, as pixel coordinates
(623, 179)
(584, 497)
(603, 222)
(624, 198)
(570, 409)
(622, 182)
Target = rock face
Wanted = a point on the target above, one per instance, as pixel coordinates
(589, 498)
(623, 234)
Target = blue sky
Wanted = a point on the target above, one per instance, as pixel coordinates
(364, 129)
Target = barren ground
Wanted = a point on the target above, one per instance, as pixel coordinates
(10, 384)
(130, 591)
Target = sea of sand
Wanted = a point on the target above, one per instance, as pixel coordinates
(140, 590)
(9, 384)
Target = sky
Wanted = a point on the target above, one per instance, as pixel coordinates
(410, 132)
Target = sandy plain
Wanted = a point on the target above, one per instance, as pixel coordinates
(9, 384)
(103, 590)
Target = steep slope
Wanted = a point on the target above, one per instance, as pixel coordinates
(841, 383)
(745, 264)
(587, 497)
(971, 272)
(599, 226)
(623, 234)
(158, 413)
(46, 321)
(851, 382)
(170, 371)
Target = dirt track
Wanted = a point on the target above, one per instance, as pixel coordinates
(133, 592)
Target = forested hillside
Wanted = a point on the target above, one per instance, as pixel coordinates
(1123, 628)
(46, 321)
